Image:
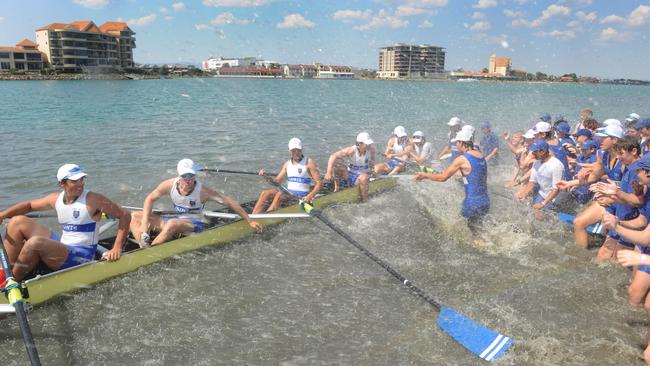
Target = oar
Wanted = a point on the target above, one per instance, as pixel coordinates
(12, 290)
(219, 170)
(480, 340)
(445, 156)
(226, 215)
(417, 166)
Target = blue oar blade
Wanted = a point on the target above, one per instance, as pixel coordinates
(483, 342)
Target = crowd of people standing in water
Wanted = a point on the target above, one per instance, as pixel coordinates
(600, 170)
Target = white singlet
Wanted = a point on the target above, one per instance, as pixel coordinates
(191, 203)
(397, 148)
(77, 225)
(358, 163)
(298, 178)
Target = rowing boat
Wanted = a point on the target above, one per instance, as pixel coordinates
(46, 287)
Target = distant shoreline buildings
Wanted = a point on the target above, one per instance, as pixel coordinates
(253, 67)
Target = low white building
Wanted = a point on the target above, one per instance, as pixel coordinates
(213, 64)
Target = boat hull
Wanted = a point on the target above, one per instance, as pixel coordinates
(49, 286)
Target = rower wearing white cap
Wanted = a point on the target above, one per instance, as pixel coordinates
(398, 148)
(423, 152)
(361, 161)
(302, 176)
(78, 211)
(630, 122)
(454, 124)
(473, 168)
(188, 195)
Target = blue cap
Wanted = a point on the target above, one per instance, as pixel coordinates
(558, 118)
(584, 132)
(643, 123)
(563, 127)
(545, 117)
(588, 144)
(485, 124)
(539, 145)
(644, 162)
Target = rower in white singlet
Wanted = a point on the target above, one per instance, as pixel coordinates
(398, 148)
(302, 177)
(78, 211)
(361, 162)
(188, 197)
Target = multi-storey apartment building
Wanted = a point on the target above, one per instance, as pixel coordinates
(411, 61)
(499, 65)
(24, 56)
(82, 44)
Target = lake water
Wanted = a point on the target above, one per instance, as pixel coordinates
(299, 294)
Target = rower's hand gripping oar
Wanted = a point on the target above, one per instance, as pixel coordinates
(480, 340)
(421, 168)
(14, 294)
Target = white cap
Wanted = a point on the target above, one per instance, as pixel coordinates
(632, 117)
(295, 143)
(468, 128)
(542, 126)
(530, 134)
(399, 131)
(418, 136)
(610, 131)
(186, 166)
(70, 171)
(463, 135)
(454, 121)
(612, 121)
(364, 138)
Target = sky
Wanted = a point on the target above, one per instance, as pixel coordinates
(601, 38)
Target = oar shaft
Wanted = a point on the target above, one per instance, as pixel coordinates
(378, 260)
(15, 297)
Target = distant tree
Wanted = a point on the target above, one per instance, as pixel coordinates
(540, 76)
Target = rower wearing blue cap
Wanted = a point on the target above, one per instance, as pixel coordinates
(586, 157)
(489, 143)
(644, 131)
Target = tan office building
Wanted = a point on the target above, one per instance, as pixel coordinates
(403, 61)
(82, 44)
(24, 56)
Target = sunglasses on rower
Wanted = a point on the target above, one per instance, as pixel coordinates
(188, 176)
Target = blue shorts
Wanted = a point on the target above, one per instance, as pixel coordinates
(352, 179)
(197, 225)
(472, 212)
(392, 163)
(78, 254)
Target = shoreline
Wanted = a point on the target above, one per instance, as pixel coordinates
(62, 77)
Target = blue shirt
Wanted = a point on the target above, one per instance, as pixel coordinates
(489, 142)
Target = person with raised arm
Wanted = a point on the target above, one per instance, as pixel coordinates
(473, 168)
(188, 196)
(300, 172)
(78, 211)
(607, 166)
(361, 161)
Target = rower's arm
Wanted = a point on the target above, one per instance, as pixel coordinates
(389, 148)
(634, 199)
(217, 196)
(163, 188)
(597, 173)
(638, 237)
(315, 176)
(337, 155)
(100, 204)
(22, 208)
(282, 174)
(459, 163)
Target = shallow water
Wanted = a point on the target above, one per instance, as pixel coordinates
(299, 294)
